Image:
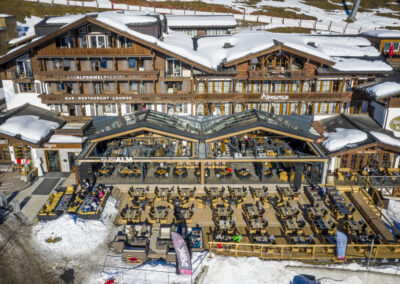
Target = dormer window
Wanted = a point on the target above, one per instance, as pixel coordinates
(254, 64)
(65, 42)
(124, 42)
(97, 41)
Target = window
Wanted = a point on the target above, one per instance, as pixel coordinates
(110, 108)
(64, 108)
(95, 65)
(353, 161)
(65, 42)
(201, 87)
(132, 63)
(103, 63)
(97, 41)
(26, 87)
(343, 161)
(66, 64)
(24, 67)
(240, 87)
(386, 46)
(386, 160)
(82, 30)
(211, 32)
(57, 63)
(97, 88)
(124, 42)
(105, 87)
(173, 67)
(173, 87)
(83, 41)
(61, 86)
(323, 108)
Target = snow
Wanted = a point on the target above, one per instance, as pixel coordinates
(4, 15)
(383, 33)
(79, 236)
(384, 89)
(56, 138)
(201, 21)
(342, 40)
(336, 49)
(384, 138)
(30, 127)
(343, 137)
(221, 269)
(356, 64)
(30, 22)
(64, 19)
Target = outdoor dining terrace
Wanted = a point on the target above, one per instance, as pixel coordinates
(274, 216)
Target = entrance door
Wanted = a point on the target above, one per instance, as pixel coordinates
(53, 161)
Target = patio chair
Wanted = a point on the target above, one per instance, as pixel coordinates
(310, 239)
(272, 240)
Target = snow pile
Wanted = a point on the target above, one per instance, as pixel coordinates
(343, 137)
(384, 138)
(79, 236)
(384, 89)
(56, 138)
(128, 17)
(383, 33)
(202, 21)
(30, 127)
(355, 64)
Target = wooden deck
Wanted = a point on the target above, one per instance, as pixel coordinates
(203, 217)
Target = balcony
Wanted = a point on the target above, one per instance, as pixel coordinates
(22, 76)
(112, 75)
(276, 74)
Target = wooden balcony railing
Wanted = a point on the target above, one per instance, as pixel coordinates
(196, 98)
(112, 75)
(52, 51)
(265, 74)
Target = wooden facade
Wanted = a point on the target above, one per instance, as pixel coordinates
(92, 69)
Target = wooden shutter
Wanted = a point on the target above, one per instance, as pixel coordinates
(72, 65)
(15, 88)
(54, 87)
(164, 108)
(126, 87)
(57, 108)
(124, 64)
(162, 87)
(38, 88)
(78, 110)
(87, 62)
(148, 88)
(90, 88)
(111, 86)
(184, 86)
(92, 111)
(127, 108)
(147, 64)
(109, 64)
(185, 108)
(76, 88)
(114, 108)
(51, 65)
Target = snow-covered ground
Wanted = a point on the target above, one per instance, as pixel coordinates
(333, 21)
(78, 236)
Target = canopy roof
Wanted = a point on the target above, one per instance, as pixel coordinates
(206, 128)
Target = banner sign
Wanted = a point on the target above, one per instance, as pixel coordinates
(182, 253)
(341, 243)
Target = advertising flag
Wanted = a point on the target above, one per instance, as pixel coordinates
(182, 253)
(341, 243)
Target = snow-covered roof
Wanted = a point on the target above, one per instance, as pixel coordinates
(358, 64)
(5, 15)
(29, 33)
(64, 19)
(30, 127)
(177, 21)
(384, 89)
(386, 139)
(57, 138)
(211, 52)
(383, 33)
(342, 138)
